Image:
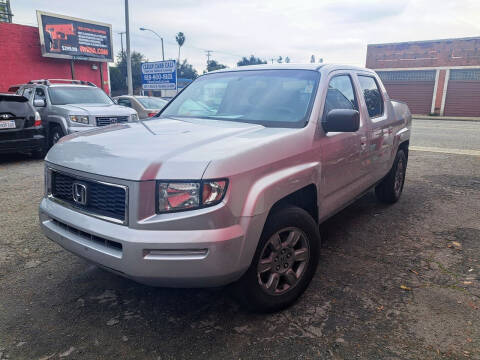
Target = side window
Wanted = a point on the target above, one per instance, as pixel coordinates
(40, 94)
(372, 95)
(28, 93)
(124, 102)
(340, 94)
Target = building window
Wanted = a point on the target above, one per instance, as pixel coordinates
(465, 74)
(418, 75)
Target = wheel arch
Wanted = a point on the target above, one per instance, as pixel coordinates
(404, 146)
(296, 185)
(304, 198)
(55, 120)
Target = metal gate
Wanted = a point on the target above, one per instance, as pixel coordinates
(414, 87)
(463, 93)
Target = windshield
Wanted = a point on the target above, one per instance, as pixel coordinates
(152, 103)
(77, 95)
(273, 98)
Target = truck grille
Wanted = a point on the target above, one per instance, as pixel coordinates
(102, 199)
(108, 120)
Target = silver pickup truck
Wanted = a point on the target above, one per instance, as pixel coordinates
(69, 106)
(230, 181)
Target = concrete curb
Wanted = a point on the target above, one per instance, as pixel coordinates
(446, 118)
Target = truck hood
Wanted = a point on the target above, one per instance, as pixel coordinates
(96, 109)
(157, 148)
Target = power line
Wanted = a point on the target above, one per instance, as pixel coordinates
(201, 49)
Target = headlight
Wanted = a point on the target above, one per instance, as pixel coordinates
(134, 117)
(178, 196)
(79, 119)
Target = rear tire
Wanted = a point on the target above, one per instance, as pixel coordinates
(391, 187)
(55, 134)
(284, 262)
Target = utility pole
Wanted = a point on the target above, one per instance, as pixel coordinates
(272, 60)
(5, 11)
(121, 39)
(209, 53)
(129, 59)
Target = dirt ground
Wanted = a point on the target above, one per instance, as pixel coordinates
(394, 282)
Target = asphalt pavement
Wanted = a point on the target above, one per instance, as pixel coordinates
(394, 282)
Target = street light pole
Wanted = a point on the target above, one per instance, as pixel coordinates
(129, 59)
(161, 38)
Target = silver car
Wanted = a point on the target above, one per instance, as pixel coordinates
(230, 183)
(70, 106)
(145, 106)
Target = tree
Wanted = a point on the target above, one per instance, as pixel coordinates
(180, 41)
(186, 71)
(250, 61)
(287, 59)
(320, 60)
(312, 59)
(118, 73)
(279, 60)
(213, 65)
(117, 80)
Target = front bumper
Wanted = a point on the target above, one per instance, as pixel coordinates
(76, 129)
(197, 258)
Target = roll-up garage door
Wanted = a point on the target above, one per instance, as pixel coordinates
(414, 87)
(463, 93)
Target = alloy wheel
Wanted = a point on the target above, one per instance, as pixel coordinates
(283, 261)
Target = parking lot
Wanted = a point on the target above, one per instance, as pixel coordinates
(393, 282)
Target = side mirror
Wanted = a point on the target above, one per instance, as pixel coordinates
(341, 120)
(39, 103)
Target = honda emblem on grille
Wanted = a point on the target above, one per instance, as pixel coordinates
(79, 193)
(113, 120)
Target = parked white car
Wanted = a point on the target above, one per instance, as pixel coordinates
(146, 106)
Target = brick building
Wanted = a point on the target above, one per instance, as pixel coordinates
(21, 60)
(440, 77)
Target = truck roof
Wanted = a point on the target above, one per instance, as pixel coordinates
(315, 67)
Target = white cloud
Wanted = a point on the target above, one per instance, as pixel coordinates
(337, 31)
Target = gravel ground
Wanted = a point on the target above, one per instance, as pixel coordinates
(394, 282)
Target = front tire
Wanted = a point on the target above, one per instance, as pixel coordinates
(391, 187)
(284, 262)
(56, 133)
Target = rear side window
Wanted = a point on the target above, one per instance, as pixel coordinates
(340, 94)
(124, 102)
(371, 93)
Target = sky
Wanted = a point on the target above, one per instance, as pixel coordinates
(337, 31)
